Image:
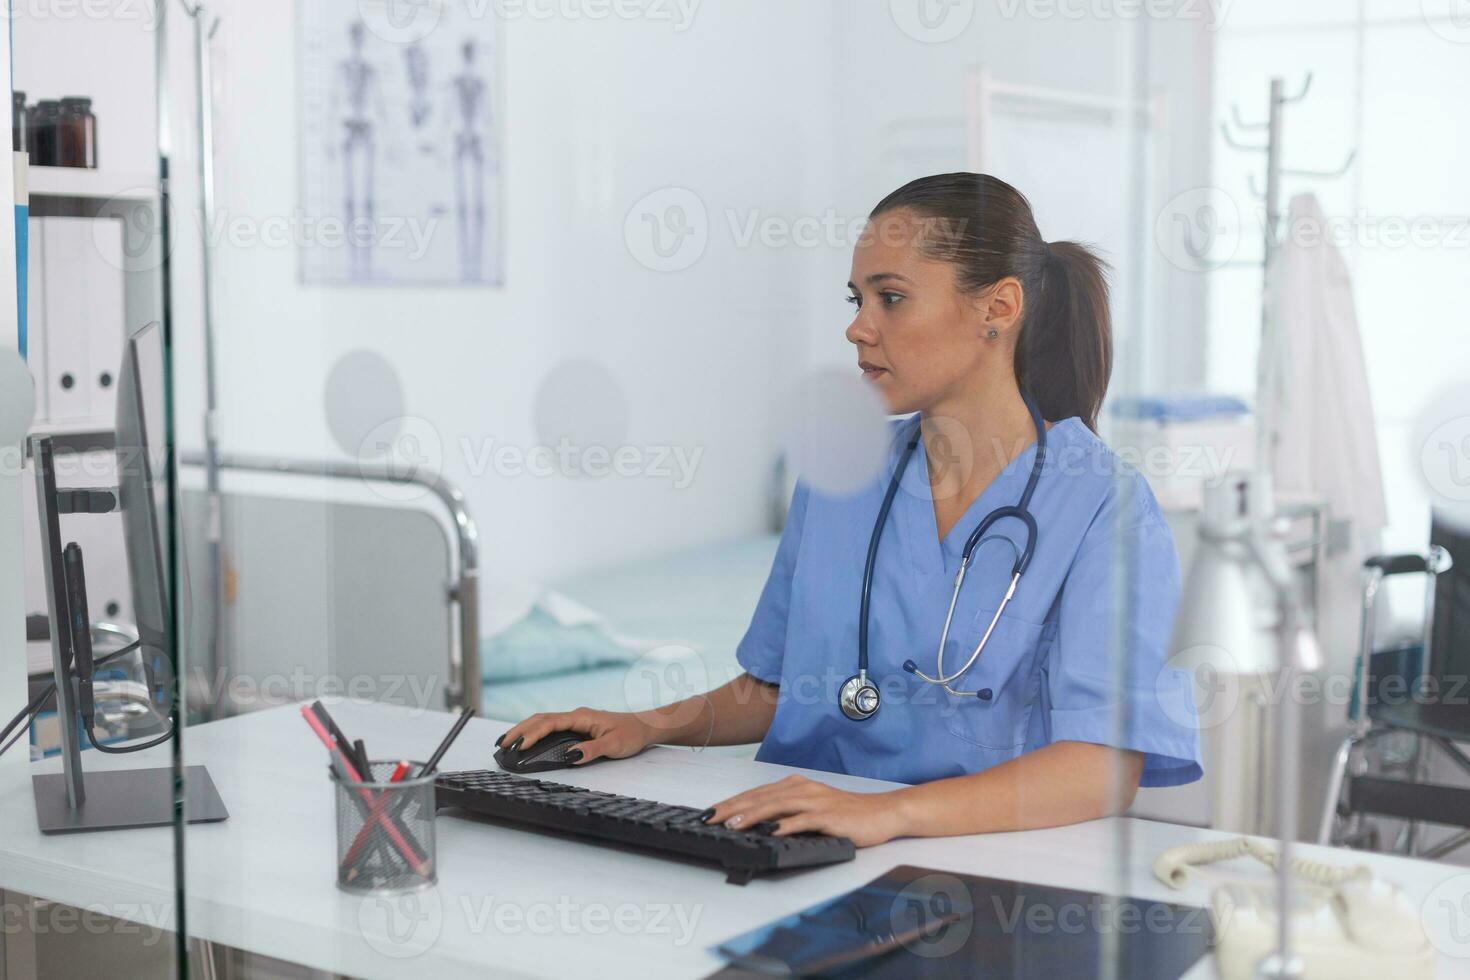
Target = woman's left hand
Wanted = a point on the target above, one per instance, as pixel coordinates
(798, 804)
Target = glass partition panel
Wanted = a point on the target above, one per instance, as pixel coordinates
(95, 789)
(533, 391)
(827, 428)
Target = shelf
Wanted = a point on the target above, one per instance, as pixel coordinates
(80, 182)
(76, 437)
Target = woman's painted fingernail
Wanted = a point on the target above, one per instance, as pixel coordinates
(735, 821)
(499, 740)
(517, 743)
(706, 814)
(575, 755)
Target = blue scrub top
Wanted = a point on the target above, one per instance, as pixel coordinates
(1051, 665)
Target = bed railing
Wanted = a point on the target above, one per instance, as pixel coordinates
(463, 691)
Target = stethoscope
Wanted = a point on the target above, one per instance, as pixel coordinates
(859, 696)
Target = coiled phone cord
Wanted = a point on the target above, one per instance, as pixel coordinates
(1175, 866)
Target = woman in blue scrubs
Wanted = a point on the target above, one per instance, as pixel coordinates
(960, 307)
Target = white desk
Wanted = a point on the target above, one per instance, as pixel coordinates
(263, 880)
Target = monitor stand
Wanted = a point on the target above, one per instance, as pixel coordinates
(71, 801)
(122, 798)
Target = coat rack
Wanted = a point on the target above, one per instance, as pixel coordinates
(1268, 429)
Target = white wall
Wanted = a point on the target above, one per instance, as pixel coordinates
(598, 114)
(765, 115)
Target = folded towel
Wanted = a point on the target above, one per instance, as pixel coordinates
(550, 633)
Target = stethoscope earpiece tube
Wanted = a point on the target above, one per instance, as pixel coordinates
(858, 697)
(873, 551)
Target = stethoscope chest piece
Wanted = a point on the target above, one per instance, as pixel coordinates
(859, 697)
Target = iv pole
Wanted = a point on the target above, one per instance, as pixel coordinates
(204, 31)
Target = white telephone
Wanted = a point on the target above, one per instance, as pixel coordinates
(1346, 924)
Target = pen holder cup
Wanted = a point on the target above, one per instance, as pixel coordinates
(385, 831)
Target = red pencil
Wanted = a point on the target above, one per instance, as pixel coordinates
(361, 840)
(345, 763)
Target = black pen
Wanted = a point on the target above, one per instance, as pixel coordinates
(459, 724)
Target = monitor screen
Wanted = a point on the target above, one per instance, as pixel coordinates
(142, 462)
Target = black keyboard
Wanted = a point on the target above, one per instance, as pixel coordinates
(641, 823)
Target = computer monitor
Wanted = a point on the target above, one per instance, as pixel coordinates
(142, 469)
(115, 799)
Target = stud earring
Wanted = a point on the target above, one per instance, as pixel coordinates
(993, 333)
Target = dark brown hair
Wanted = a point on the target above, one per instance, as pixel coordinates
(985, 227)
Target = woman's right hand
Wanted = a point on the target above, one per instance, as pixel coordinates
(615, 734)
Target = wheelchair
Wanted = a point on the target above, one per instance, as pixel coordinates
(1405, 702)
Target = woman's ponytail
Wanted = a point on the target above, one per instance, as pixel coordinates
(1064, 356)
(985, 228)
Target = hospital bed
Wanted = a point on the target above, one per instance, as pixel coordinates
(332, 581)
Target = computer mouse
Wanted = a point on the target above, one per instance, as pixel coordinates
(549, 753)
